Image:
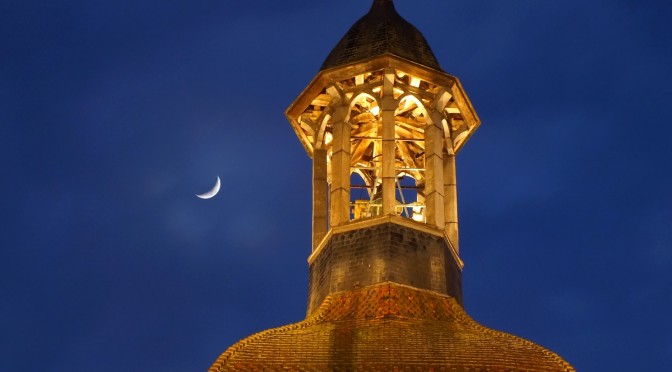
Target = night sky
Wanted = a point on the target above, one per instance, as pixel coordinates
(113, 114)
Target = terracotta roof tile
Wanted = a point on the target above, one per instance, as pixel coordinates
(387, 327)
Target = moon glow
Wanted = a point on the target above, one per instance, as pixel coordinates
(212, 192)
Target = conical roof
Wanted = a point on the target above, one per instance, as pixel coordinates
(388, 327)
(381, 31)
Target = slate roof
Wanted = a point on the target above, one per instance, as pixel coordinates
(381, 31)
(387, 327)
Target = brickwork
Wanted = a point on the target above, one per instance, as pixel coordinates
(381, 253)
(388, 327)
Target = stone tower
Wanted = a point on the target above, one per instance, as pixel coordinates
(383, 123)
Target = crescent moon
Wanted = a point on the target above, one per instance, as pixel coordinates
(212, 192)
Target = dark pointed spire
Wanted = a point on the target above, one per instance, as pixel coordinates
(381, 31)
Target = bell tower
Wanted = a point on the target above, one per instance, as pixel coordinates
(383, 124)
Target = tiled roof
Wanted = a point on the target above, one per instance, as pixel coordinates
(387, 327)
(381, 31)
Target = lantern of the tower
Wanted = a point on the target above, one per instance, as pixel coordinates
(383, 134)
(383, 123)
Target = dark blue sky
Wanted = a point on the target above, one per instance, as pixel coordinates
(113, 114)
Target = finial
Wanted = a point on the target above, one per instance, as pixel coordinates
(382, 4)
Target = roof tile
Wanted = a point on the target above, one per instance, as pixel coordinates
(387, 327)
(381, 31)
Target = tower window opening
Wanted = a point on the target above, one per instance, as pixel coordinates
(410, 203)
(365, 194)
(360, 196)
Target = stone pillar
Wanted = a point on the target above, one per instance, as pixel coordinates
(388, 108)
(319, 195)
(434, 179)
(450, 193)
(340, 168)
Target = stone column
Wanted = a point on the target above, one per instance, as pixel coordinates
(388, 108)
(450, 193)
(434, 178)
(319, 195)
(339, 211)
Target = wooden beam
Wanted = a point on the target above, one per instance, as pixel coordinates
(359, 150)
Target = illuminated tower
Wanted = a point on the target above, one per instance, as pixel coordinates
(383, 123)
